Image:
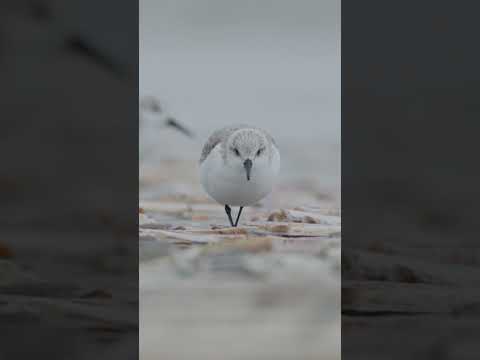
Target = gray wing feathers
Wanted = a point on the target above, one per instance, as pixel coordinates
(217, 137)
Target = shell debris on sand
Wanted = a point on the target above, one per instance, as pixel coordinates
(224, 231)
(297, 229)
(301, 216)
(185, 237)
(249, 245)
(276, 270)
(280, 228)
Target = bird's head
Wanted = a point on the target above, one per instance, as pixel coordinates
(247, 149)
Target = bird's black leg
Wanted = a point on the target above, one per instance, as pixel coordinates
(229, 213)
(238, 216)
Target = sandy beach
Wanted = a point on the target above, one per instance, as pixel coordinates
(269, 288)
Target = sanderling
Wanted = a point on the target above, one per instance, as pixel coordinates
(151, 106)
(238, 166)
(152, 118)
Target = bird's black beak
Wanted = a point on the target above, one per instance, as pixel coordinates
(247, 164)
(176, 125)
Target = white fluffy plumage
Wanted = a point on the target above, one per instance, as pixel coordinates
(224, 160)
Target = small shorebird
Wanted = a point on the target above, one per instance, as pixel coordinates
(150, 106)
(152, 119)
(238, 166)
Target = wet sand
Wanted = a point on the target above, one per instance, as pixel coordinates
(269, 289)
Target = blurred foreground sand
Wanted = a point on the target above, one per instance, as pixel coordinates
(269, 289)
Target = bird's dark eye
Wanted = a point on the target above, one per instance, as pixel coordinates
(259, 152)
(236, 152)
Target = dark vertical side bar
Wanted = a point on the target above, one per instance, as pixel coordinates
(69, 179)
(410, 175)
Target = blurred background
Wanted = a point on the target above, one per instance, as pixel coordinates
(409, 126)
(68, 181)
(271, 288)
(273, 64)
